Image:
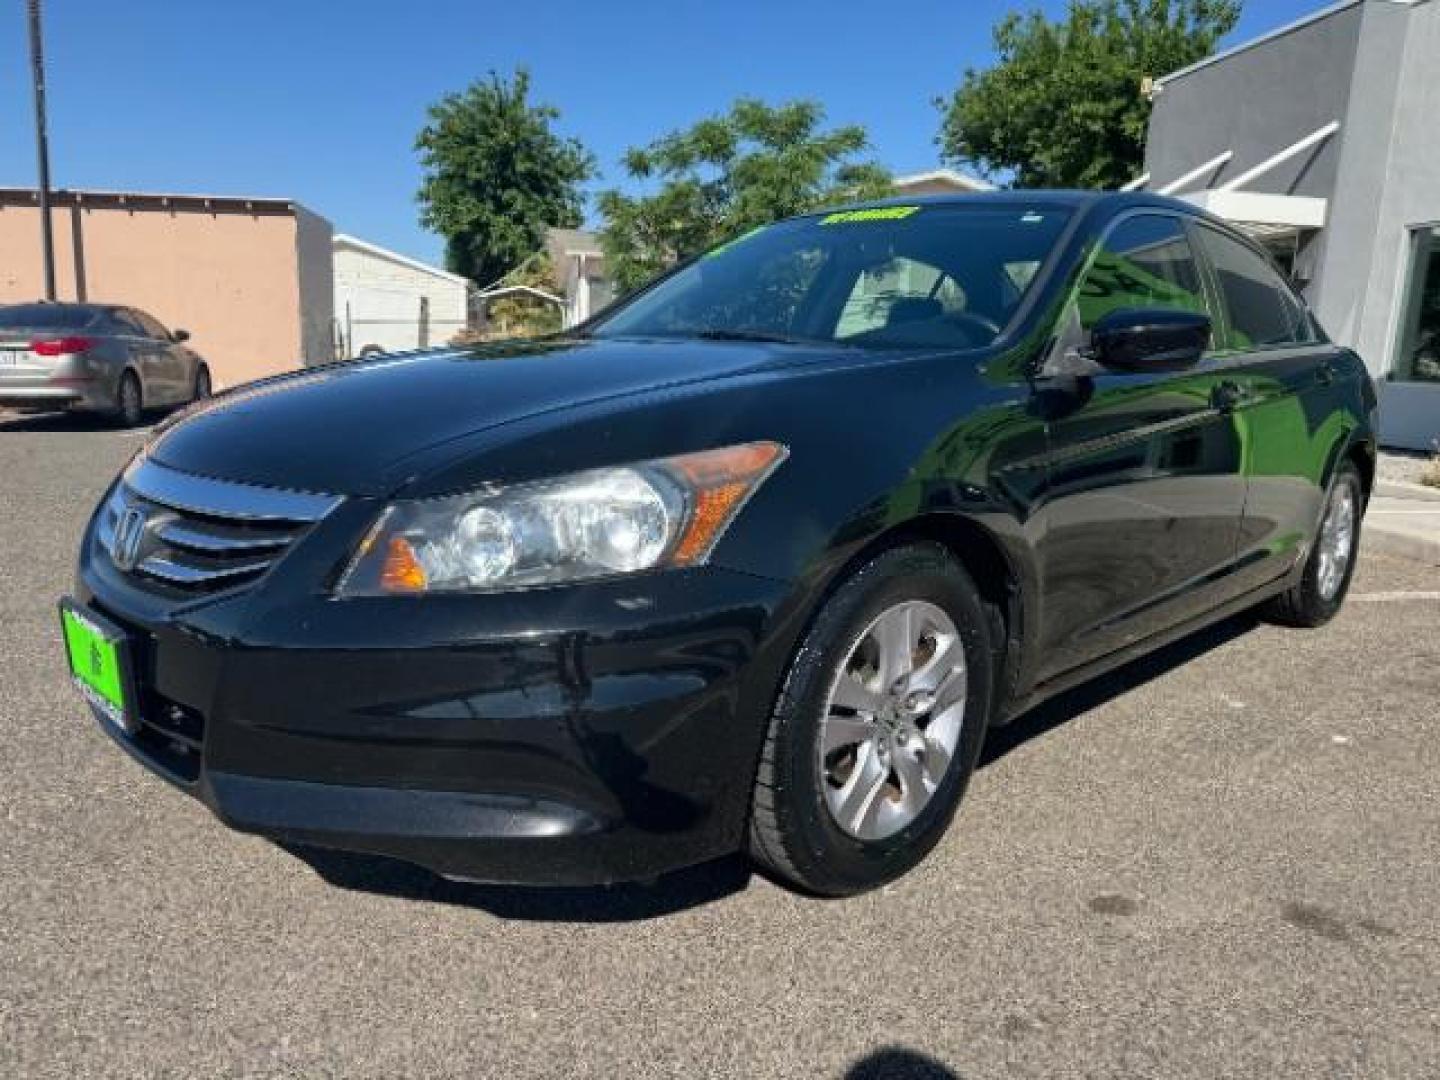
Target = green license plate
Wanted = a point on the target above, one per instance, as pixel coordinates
(99, 663)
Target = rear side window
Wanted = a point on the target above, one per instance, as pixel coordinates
(1261, 310)
(1146, 261)
(46, 317)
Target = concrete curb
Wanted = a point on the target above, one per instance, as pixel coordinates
(1403, 489)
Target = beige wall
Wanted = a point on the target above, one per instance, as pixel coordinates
(233, 280)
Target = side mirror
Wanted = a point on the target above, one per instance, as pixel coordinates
(178, 336)
(1141, 340)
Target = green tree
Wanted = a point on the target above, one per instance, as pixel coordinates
(1063, 104)
(728, 174)
(496, 175)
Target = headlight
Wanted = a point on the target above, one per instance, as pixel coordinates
(664, 513)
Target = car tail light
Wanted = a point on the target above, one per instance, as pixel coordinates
(61, 346)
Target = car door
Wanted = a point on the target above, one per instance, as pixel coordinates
(1145, 493)
(143, 354)
(173, 359)
(1281, 373)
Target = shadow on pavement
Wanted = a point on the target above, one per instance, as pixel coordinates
(626, 902)
(898, 1063)
(55, 421)
(1072, 703)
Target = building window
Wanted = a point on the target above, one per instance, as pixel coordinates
(1419, 356)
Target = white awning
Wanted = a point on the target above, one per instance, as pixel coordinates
(1265, 217)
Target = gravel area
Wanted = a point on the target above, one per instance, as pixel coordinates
(1404, 466)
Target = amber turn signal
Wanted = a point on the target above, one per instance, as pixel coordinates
(402, 572)
(720, 483)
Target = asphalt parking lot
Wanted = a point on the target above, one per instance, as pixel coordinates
(1219, 862)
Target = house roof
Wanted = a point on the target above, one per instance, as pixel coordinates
(346, 240)
(961, 181)
(572, 242)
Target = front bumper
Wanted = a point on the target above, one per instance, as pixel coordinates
(562, 736)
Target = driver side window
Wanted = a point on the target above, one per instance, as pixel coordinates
(899, 290)
(1144, 262)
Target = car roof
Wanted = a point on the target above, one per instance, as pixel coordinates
(58, 304)
(91, 307)
(1113, 201)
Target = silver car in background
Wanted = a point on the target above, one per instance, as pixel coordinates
(102, 358)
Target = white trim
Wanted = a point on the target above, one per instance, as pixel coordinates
(1292, 211)
(506, 290)
(395, 256)
(1136, 184)
(1177, 186)
(1317, 136)
(959, 179)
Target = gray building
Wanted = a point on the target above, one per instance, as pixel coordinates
(1322, 140)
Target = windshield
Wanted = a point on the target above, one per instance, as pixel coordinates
(45, 317)
(928, 276)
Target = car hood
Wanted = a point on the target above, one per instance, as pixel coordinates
(349, 429)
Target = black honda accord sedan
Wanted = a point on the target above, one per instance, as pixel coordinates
(751, 561)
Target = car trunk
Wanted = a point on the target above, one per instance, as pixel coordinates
(19, 362)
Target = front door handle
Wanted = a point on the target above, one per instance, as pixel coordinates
(1325, 373)
(1225, 396)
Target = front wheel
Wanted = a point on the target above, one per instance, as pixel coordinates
(877, 728)
(1314, 600)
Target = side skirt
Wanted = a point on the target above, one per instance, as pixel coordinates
(1014, 707)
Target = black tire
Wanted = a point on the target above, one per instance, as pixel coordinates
(1306, 604)
(793, 833)
(129, 401)
(201, 389)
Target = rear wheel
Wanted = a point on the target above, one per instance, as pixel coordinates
(202, 384)
(1314, 600)
(877, 728)
(129, 402)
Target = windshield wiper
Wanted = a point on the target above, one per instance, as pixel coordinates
(751, 335)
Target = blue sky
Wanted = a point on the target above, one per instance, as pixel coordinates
(319, 100)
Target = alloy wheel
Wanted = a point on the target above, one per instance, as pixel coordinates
(892, 720)
(1337, 540)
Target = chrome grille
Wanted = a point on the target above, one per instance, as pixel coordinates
(194, 534)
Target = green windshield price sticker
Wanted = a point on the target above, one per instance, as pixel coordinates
(731, 243)
(873, 213)
(95, 663)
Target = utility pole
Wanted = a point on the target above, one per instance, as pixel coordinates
(42, 147)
